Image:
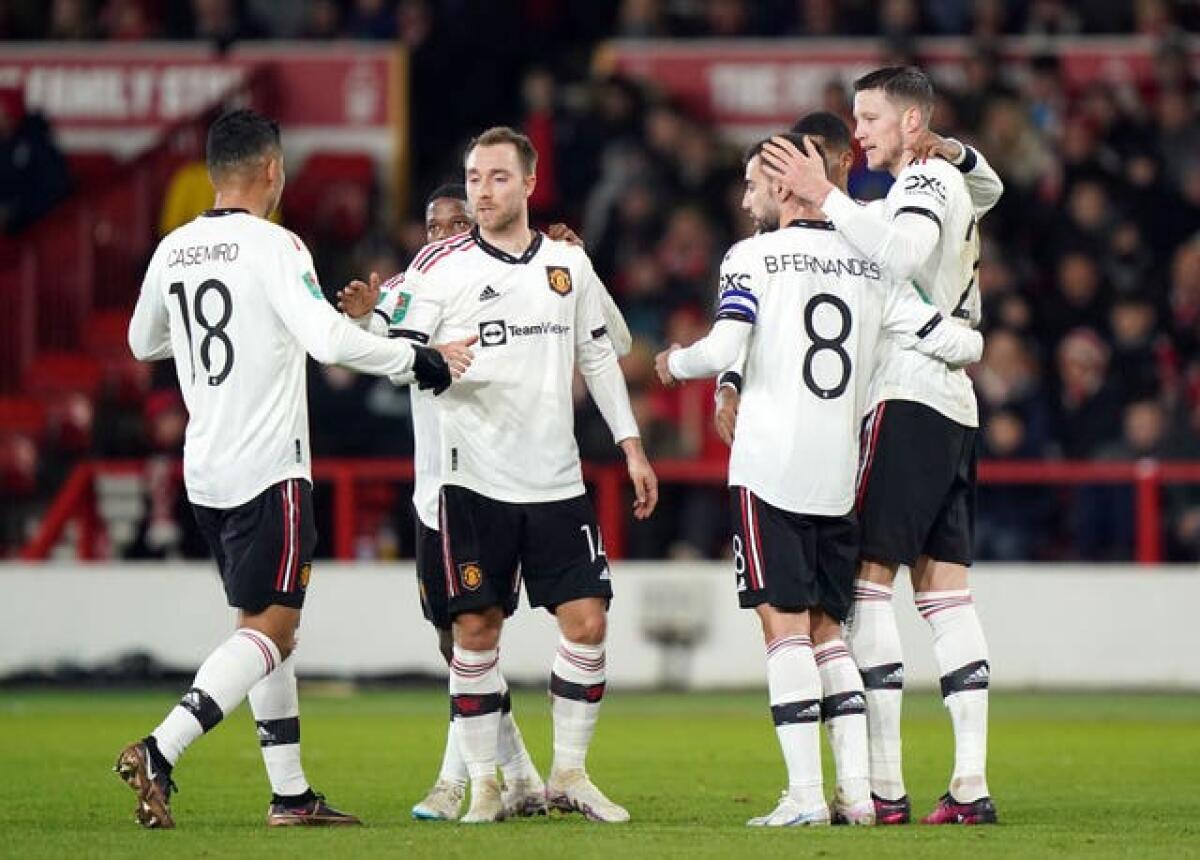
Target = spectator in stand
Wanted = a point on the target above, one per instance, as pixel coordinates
(322, 20)
(1086, 415)
(1009, 380)
(1102, 524)
(33, 172)
(1078, 299)
(1012, 519)
(72, 20)
(371, 19)
(1144, 362)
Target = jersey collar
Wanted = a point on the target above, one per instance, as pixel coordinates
(506, 257)
(811, 224)
(217, 213)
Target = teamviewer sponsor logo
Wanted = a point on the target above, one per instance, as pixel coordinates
(493, 333)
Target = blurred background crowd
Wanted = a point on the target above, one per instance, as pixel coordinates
(1090, 272)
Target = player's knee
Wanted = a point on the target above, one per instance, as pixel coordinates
(476, 631)
(586, 628)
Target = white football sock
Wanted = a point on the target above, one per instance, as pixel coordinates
(844, 710)
(275, 703)
(454, 769)
(475, 686)
(576, 689)
(511, 753)
(223, 680)
(794, 686)
(875, 643)
(962, 659)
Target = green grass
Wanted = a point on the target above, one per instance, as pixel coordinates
(1073, 775)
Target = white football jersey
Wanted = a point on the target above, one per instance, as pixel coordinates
(818, 308)
(935, 189)
(506, 428)
(235, 300)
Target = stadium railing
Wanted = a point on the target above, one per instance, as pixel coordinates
(76, 501)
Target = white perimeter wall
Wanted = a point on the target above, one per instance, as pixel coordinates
(1048, 626)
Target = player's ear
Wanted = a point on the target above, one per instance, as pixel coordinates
(530, 184)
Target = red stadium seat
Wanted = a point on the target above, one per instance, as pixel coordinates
(91, 168)
(55, 373)
(23, 415)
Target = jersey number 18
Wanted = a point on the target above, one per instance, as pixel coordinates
(213, 330)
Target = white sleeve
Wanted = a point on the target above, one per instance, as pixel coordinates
(918, 325)
(597, 363)
(320, 329)
(737, 312)
(150, 326)
(733, 376)
(983, 183)
(712, 353)
(900, 245)
(614, 321)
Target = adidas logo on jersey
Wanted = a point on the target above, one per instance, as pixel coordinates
(487, 294)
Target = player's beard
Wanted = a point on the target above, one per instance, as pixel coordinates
(503, 219)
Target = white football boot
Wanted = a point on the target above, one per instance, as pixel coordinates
(789, 814)
(573, 791)
(443, 803)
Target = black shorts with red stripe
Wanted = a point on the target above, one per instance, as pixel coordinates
(792, 561)
(263, 548)
(490, 546)
(916, 485)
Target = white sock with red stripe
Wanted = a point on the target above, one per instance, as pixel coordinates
(875, 643)
(223, 680)
(454, 769)
(794, 686)
(844, 711)
(275, 703)
(576, 688)
(962, 658)
(475, 697)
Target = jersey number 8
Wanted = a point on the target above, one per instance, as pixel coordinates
(820, 343)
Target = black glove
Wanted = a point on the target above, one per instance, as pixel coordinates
(430, 369)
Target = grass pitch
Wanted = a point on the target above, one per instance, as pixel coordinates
(1072, 775)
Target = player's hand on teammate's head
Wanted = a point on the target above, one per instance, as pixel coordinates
(801, 172)
(562, 233)
(662, 368)
(932, 145)
(357, 299)
(725, 417)
(645, 482)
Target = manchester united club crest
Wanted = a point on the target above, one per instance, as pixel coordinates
(471, 575)
(559, 278)
(305, 573)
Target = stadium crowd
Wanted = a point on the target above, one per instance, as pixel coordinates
(1090, 272)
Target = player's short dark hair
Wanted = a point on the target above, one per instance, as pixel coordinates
(900, 83)
(449, 191)
(239, 137)
(830, 127)
(796, 139)
(501, 134)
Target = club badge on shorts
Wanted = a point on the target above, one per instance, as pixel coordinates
(305, 573)
(559, 278)
(471, 575)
